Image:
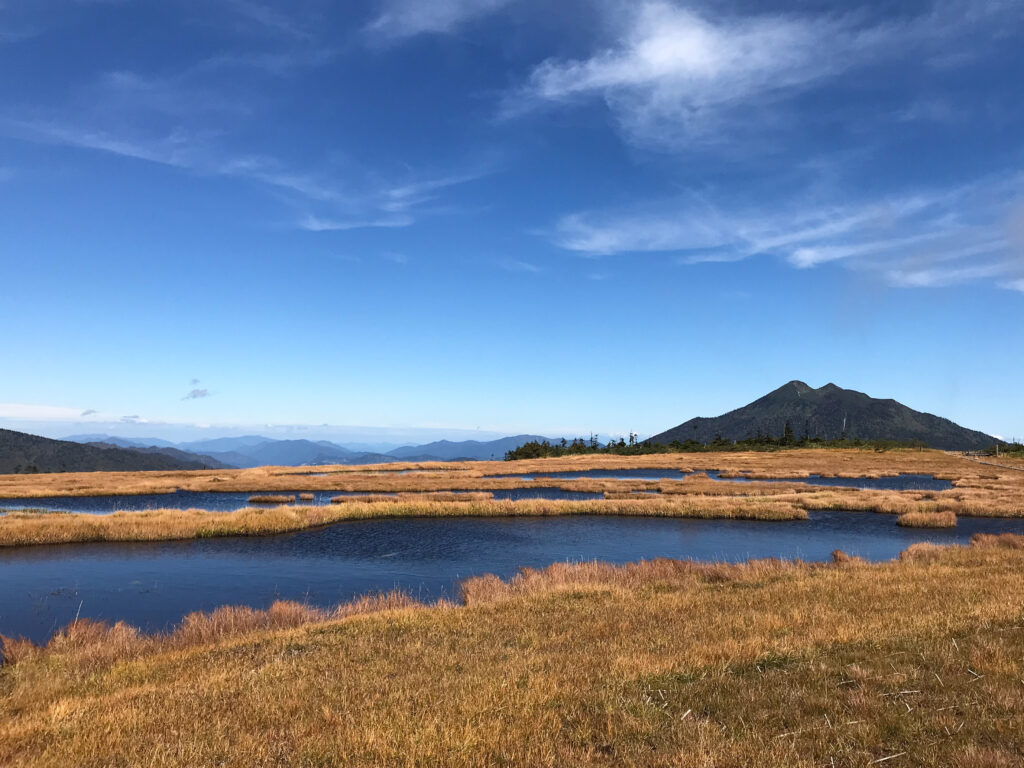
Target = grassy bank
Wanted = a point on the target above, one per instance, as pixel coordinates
(26, 529)
(913, 662)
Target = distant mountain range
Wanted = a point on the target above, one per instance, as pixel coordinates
(829, 412)
(256, 451)
(20, 452)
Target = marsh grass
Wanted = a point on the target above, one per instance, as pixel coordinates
(270, 499)
(927, 520)
(172, 524)
(654, 664)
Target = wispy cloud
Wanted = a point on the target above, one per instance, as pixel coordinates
(395, 258)
(197, 394)
(517, 265)
(168, 130)
(401, 19)
(32, 412)
(674, 74)
(930, 238)
(312, 223)
(267, 18)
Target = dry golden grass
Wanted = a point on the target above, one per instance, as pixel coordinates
(927, 520)
(915, 662)
(26, 529)
(269, 499)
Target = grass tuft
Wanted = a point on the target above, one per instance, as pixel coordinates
(927, 520)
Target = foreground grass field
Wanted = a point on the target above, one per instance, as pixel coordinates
(914, 662)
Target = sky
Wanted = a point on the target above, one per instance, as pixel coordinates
(481, 217)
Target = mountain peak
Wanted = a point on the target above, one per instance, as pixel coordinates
(829, 413)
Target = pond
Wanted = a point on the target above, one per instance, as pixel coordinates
(229, 502)
(152, 585)
(901, 482)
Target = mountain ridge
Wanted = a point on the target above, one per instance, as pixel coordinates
(830, 413)
(22, 452)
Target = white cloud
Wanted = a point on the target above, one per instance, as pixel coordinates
(28, 411)
(674, 74)
(925, 239)
(408, 18)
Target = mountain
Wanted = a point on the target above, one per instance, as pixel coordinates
(446, 450)
(20, 452)
(256, 451)
(204, 462)
(295, 453)
(829, 412)
(122, 442)
(222, 444)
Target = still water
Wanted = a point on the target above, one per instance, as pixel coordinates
(152, 585)
(902, 482)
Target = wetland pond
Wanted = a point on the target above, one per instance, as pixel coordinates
(901, 482)
(220, 501)
(153, 585)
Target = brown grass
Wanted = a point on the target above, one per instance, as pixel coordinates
(17, 529)
(653, 664)
(927, 520)
(271, 499)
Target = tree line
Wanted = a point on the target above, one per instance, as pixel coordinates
(759, 442)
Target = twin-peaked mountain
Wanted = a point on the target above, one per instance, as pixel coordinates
(830, 413)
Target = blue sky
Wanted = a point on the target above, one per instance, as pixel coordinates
(469, 217)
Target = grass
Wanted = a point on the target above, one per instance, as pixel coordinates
(18, 530)
(927, 520)
(665, 663)
(271, 499)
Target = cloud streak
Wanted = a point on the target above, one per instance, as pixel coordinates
(402, 19)
(174, 134)
(927, 239)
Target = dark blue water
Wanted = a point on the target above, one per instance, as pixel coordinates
(604, 474)
(153, 585)
(229, 502)
(903, 482)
